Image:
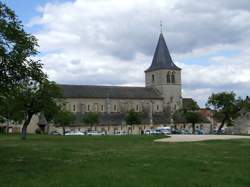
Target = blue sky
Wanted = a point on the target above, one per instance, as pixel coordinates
(25, 9)
(111, 42)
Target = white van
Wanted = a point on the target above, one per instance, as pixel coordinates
(164, 130)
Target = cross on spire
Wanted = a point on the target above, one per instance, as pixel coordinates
(161, 26)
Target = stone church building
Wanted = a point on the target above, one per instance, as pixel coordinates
(155, 102)
(162, 90)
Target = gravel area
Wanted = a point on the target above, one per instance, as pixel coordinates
(194, 138)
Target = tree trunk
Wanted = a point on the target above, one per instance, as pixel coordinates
(25, 125)
(193, 128)
(7, 127)
(63, 127)
(221, 125)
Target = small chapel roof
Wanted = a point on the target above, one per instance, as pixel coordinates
(114, 92)
(162, 58)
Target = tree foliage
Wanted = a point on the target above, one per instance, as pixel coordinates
(192, 117)
(189, 114)
(24, 88)
(132, 118)
(64, 118)
(40, 97)
(226, 106)
(90, 118)
(16, 48)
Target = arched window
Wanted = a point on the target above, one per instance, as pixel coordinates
(153, 78)
(173, 77)
(168, 77)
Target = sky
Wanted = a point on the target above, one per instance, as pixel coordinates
(112, 42)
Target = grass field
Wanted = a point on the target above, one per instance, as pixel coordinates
(125, 161)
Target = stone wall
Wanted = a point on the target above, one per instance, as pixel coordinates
(171, 92)
(83, 105)
(242, 124)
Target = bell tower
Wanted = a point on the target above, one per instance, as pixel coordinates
(164, 76)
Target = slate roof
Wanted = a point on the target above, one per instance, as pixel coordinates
(114, 92)
(162, 58)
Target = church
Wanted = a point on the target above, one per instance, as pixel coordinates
(160, 97)
(155, 102)
(162, 90)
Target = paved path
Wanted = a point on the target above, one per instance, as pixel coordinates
(194, 138)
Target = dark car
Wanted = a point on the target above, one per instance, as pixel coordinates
(176, 131)
(55, 133)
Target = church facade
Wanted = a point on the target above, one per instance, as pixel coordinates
(162, 90)
(155, 102)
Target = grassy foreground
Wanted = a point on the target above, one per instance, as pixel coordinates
(129, 161)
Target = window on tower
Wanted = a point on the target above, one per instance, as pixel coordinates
(173, 77)
(168, 77)
(153, 78)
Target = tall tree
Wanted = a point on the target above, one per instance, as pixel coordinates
(16, 48)
(24, 88)
(226, 106)
(64, 118)
(91, 118)
(132, 118)
(192, 117)
(189, 114)
(39, 97)
(192, 114)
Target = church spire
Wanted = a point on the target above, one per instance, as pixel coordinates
(162, 58)
(161, 26)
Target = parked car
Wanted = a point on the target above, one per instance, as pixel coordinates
(95, 133)
(157, 131)
(199, 131)
(149, 131)
(72, 133)
(176, 131)
(222, 131)
(55, 133)
(163, 130)
(121, 133)
(185, 131)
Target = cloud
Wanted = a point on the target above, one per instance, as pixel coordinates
(112, 42)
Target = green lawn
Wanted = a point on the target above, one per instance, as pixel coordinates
(122, 161)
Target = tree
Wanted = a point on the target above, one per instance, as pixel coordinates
(36, 98)
(64, 118)
(16, 46)
(90, 118)
(132, 118)
(23, 85)
(192, 117)
(189, 114)
(226, 106)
